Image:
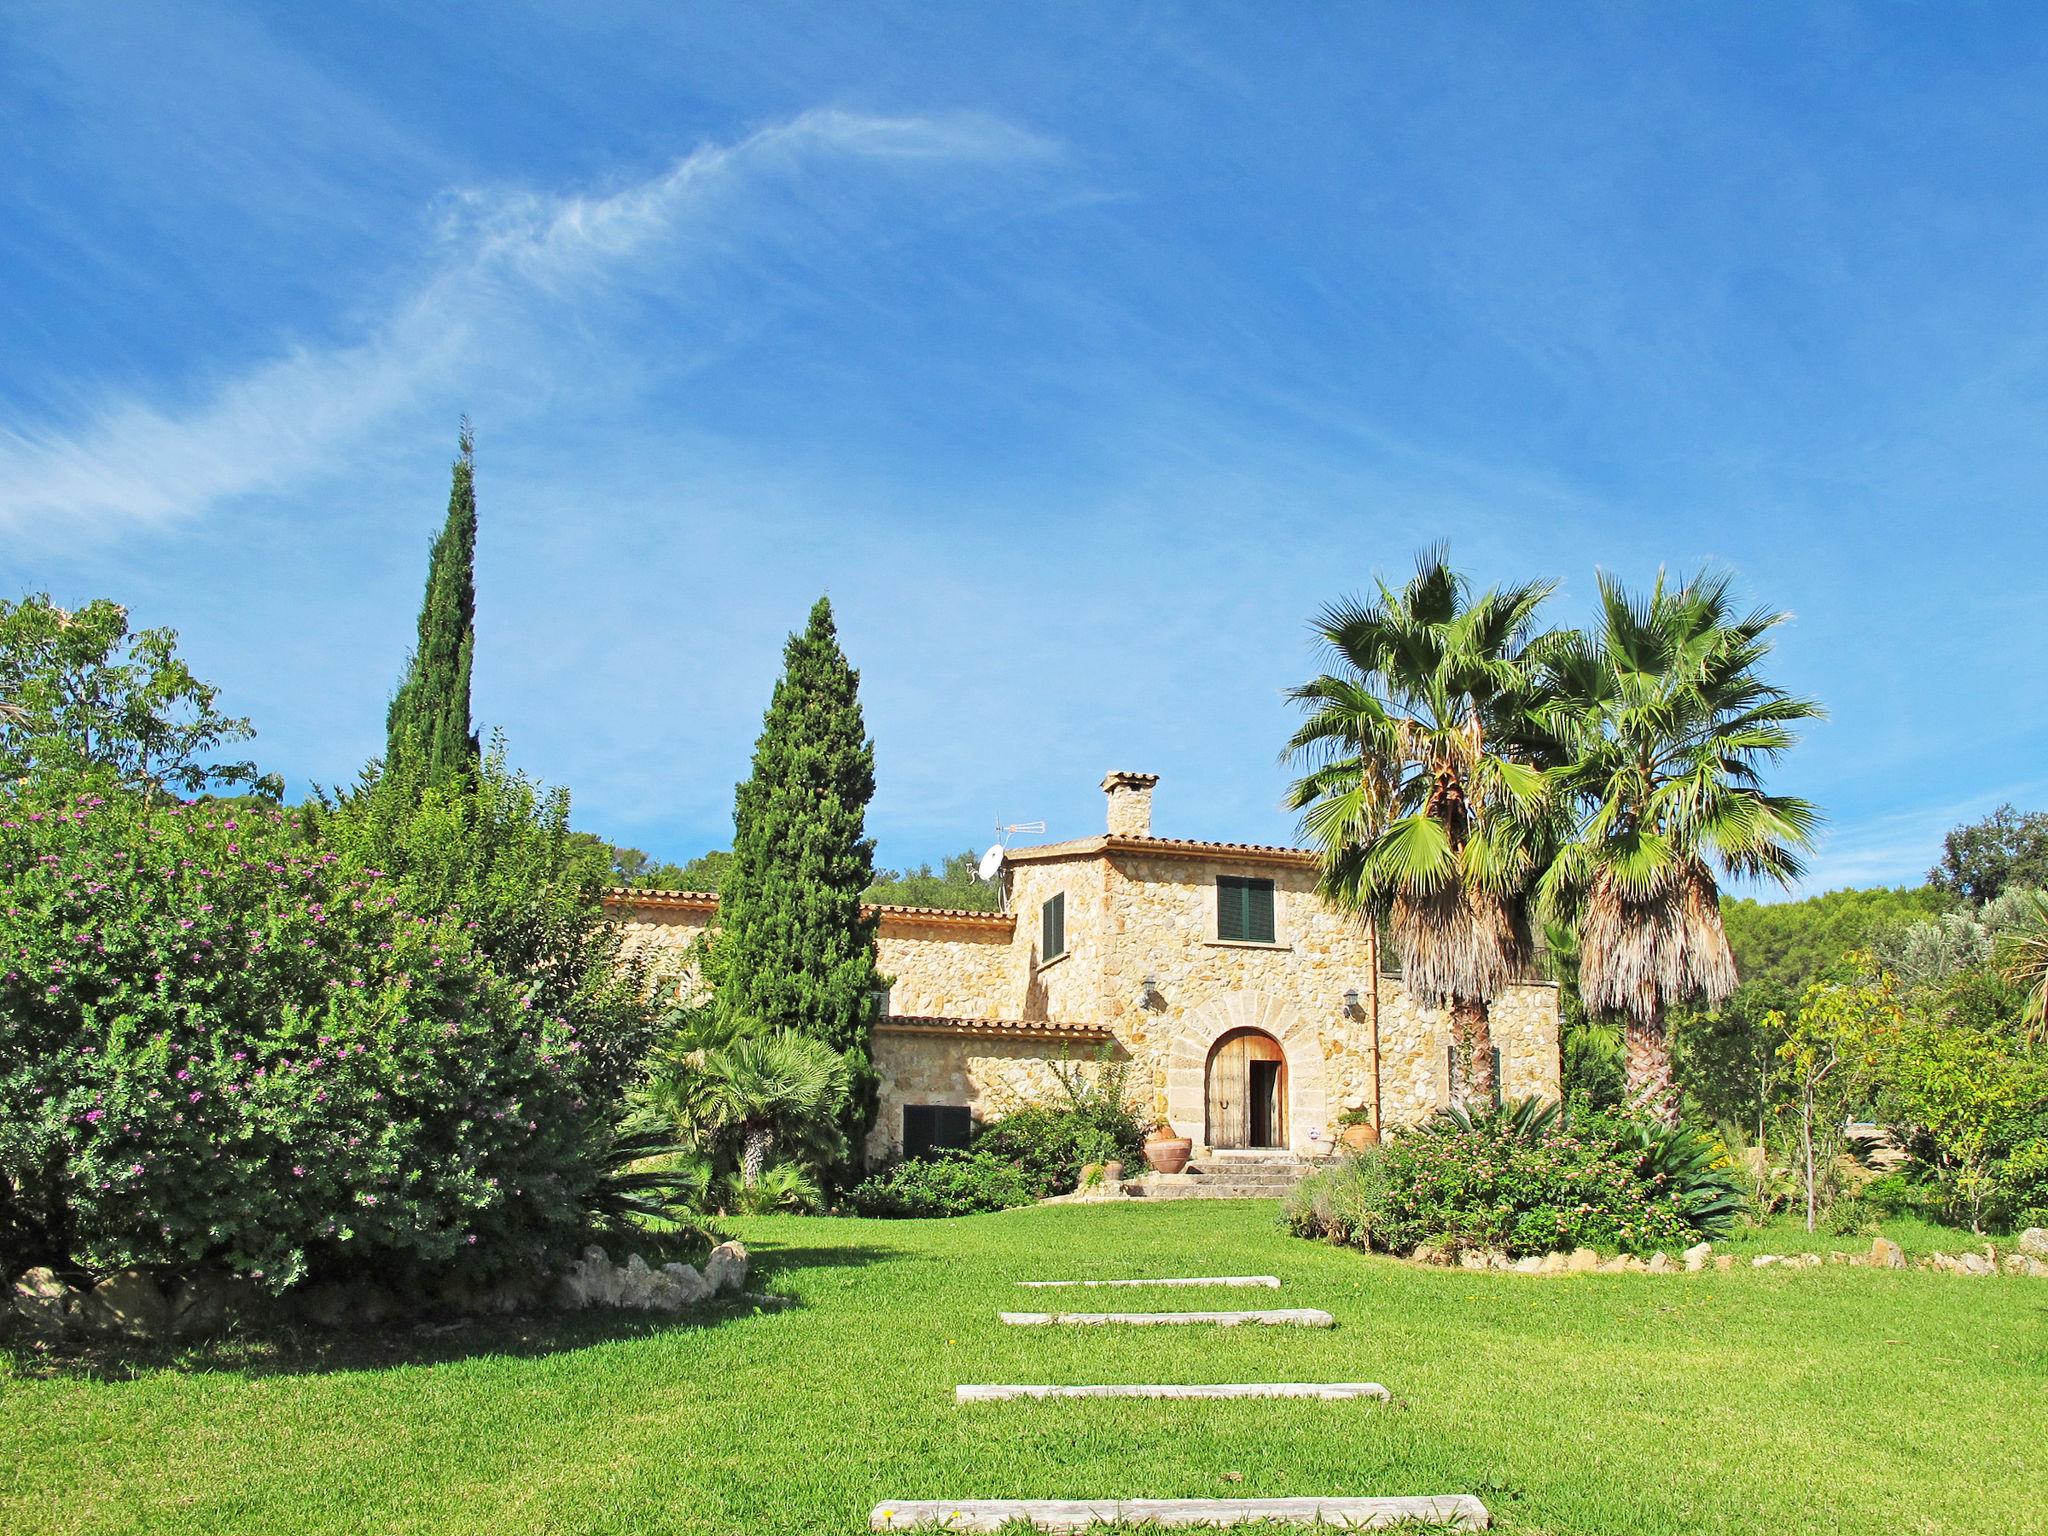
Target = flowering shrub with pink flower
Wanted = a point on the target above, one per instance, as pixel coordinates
(221, 1043)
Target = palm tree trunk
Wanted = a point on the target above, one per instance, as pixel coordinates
(1647, 1046)
(1472, 1030)
(753, 1155)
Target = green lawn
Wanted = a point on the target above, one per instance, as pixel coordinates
(1754, 1401)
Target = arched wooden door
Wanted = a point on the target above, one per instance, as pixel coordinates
(1247, 1091)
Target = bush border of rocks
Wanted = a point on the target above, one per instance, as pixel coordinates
(151, 1307)
(2029, 1258)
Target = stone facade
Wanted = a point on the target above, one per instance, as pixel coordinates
(980, 1016)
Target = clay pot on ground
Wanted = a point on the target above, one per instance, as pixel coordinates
(1167, 1153)
(1357, 1138)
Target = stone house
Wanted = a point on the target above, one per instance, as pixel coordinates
(1246, 1011)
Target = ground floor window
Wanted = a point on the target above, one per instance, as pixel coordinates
(929, 1128)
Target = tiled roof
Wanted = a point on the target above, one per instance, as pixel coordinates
(1185, 847)
(707, 901)
(1015, 1029)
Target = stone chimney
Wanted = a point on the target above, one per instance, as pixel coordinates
(1130, 803)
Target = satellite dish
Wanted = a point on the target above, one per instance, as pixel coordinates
(991, 863)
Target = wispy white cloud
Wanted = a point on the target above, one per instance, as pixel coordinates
(505, 263)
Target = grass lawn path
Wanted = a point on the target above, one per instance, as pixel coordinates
(1754, 1401)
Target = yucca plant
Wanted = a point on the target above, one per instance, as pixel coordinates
(651, 1181)
(1696, 1169)
(1524, 1119)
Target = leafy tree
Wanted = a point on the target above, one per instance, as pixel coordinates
(706, 872)
(1828, 1048)
(496, 847)
(81, 693)
(1417, 813)
(793, 950)
(954, 883)
(222, 1046)
(1793, 943)
(1662, 726)
(1983, 860)
(1954, 1073)
(428, 727)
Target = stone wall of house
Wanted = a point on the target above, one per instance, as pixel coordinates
(990, 1077)
(1161, 919)
(664, 937)
(1129, 916)
(1068, 988)
(948, 972)
(1415, 1049)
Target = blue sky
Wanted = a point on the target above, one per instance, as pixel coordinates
(1079, 352)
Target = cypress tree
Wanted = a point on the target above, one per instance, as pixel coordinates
(793, 950)
(427, 732)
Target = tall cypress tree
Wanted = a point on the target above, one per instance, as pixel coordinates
(793, 950)
(427, 732)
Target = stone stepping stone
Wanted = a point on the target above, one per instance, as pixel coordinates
(1460, 1510)
(1325, 1391)
(1270, 1282)
(1299, 1317)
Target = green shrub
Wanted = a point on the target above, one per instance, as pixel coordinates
(1518, 1181)
(220, 1046)
(1343, 1203)
(953, 1184)
(1089, 1122)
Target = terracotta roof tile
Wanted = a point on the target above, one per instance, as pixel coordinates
(1256, 853)
(707, 901)
(1016, 1029)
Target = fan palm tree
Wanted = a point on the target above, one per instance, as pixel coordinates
(1660, 726)
(1419, 815)
(765, 1092)
(2022, 952)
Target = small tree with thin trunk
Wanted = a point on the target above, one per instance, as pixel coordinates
(1662, 726)
(1421, 815)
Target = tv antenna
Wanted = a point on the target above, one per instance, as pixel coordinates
(991, 866)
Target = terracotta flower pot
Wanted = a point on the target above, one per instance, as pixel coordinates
(1359, 1137)
(1168, 1154)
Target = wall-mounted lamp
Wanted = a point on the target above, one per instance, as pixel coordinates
(1351, 1000)
(1148, 991)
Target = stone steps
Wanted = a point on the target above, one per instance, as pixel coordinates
(1267, 1282)
(1299, 1317)
(1321, 1391)
(1460, 1511)
(1229, 1175)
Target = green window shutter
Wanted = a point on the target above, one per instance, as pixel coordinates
(1230, 912)
(1052, 928)
(1259, 911)
(1244, 910)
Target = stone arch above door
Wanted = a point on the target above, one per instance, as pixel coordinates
(1187, 1059)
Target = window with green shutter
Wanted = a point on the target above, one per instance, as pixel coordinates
(1052, 928)
(929, 1128)
(1244, 910)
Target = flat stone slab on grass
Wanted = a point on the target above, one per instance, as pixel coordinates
(1460, 1510)
(1299, 1317)
(1270, 1282)
(1326, 1391)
